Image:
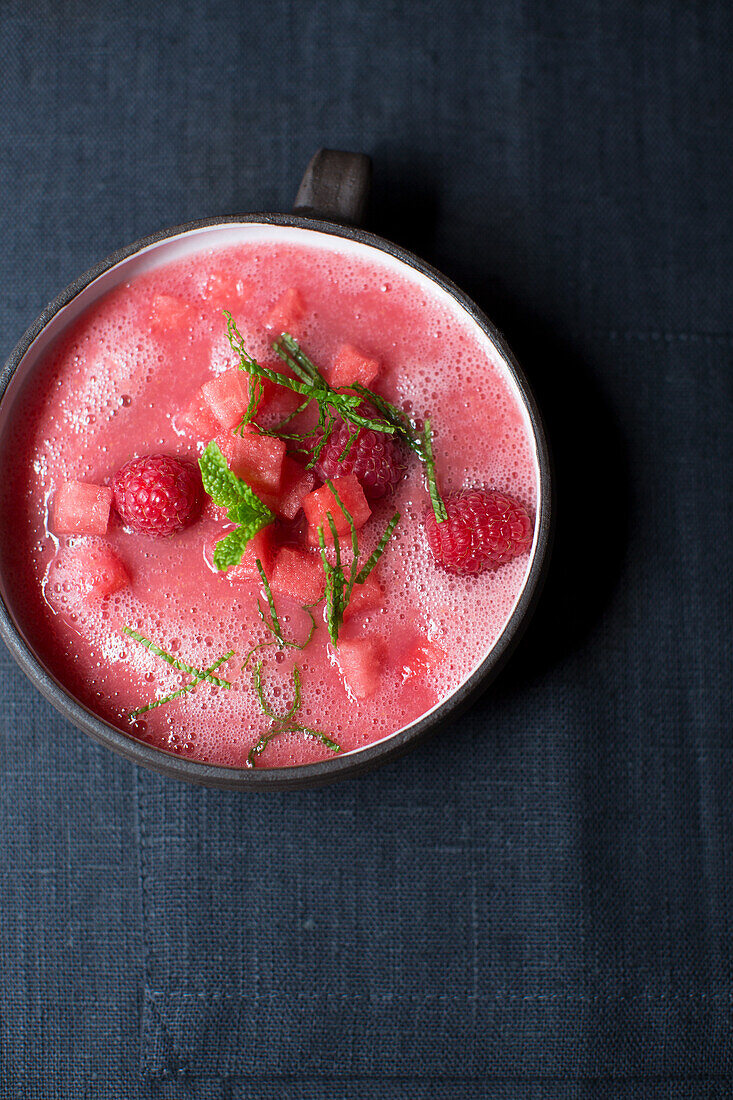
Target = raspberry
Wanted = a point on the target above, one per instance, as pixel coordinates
(484, 529)
(157, 494)
(375, 458)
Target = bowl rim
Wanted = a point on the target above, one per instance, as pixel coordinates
(338, 766)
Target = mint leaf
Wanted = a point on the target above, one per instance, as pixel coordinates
(229, 550)
(224, 487)
(249, 511)
(243, 506)
(283, 723)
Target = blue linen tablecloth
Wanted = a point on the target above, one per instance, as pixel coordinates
(536, 904)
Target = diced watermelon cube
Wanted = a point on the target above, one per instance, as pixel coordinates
(351, 365)
(320, 502)
(225, 289)
(269, 392)
(286, 312)
(168, 312)
(364, 597)
(246, 571)
(296, 483)
(103, 572)
(277, 401)
(420, 659)
(80, 508)
(198, 421)
(227, 397)
(299, 574)
(360, 664)
(87, 571)
(257, 459)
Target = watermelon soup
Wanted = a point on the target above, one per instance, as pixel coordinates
(225, 619)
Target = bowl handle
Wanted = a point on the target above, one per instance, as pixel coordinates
(335, 187)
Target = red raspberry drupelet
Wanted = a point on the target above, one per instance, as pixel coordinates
(157, 494)
(484, 529)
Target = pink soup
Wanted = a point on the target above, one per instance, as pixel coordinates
(125, 379)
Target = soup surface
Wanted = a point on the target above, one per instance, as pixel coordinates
(125, 379)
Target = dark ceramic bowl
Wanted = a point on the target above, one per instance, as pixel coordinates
(330, 201)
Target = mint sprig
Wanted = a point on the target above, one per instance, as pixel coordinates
(254, 393)
(283, 723)
(339, 586)
(244, 507)
(345, 404)
(266, 708)
(332, 404)
(274, 624)
(289, 727)
(378, 550)
(393, 420)
(271, 622)
(198, 674)
(174, 662)
(185, 689)
(441, 513)
(310, 384)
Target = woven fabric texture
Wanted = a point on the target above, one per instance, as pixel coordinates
(536, 903)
